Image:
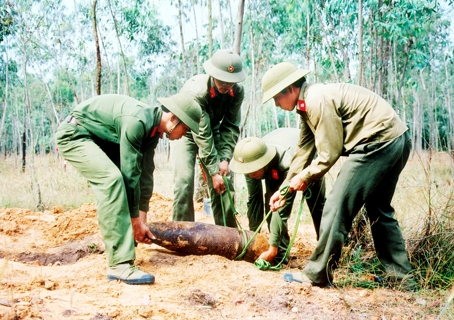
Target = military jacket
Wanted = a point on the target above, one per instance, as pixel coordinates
(219, 126)
(334, 119)
(132, 126)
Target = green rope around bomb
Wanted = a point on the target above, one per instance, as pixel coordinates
(260, 263)
(283, 192)
(266, 265)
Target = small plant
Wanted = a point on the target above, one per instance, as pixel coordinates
(92, 247)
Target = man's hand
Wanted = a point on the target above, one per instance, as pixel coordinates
(276, 202)
(297, 184)
(141, 231)
(218, 183)
(224, 168)
(270, 254)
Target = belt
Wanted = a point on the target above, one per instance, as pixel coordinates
(71, 120)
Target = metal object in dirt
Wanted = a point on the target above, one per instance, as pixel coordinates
(199, 238)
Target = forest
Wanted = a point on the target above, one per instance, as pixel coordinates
(57, 53)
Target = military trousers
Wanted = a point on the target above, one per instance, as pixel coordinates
(79, 148)
(368, 177)
(184, 152)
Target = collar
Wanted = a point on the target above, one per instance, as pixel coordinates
(154, 131)
(274, 174)
(214, 91)
(272, 169)
(301, 106)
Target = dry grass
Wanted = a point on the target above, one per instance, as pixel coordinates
(44, 177)
(425, 189)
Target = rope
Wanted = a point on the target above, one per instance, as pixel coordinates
(266, 265)
(235, 213)
(260, 263)
(230, 198)
(284, 192)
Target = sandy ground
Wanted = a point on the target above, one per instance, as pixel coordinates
(52, 266)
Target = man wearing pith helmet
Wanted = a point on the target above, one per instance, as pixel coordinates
(110, 139)
(269, 159)
(220, 97)
(341, 119)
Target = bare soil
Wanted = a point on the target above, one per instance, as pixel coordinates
(53, 266)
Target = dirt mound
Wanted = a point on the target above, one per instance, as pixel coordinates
(53, 267)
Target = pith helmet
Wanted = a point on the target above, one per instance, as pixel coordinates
(185, 108)
(279, 77)
(226, 66)
(251, 154)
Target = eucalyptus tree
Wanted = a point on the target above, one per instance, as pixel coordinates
(98, 50)
(408, 32)
(30, 49)
(150, 40)
(197, 38)
(6, 25)
(210, 28)
(272, 33)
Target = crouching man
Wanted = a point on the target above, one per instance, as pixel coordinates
(110, 139)
(269, 159)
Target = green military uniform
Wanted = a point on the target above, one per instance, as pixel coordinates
(284, 140)
(218, 134)
(110, 139)
(349, 120)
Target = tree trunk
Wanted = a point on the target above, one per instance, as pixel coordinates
(109, 65)
(183, 53)
(121, 48)
(98, 51)
(221, 24)
(433, 123)
(24, 151)
(449, 106)
(242, 130)
(308, 35)
(372, 55)
(383, 56)
(239, 27)
(196, 38)
(418, 119)
(6, 92)
(210, 29)
(276, 122)
(49, 96)
(232, 34)
(360, 42)
(28, 123)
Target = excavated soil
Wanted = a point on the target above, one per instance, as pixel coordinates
(53, 266)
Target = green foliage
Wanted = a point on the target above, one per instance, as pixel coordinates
(407, 55)
(6, 20)
(142, 25)
(92, 247)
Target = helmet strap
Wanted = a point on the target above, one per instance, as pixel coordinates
(171, 129)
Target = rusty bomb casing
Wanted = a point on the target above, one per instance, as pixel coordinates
(199, 238)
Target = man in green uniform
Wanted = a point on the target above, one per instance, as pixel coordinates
(345, 120)
(110, 139)
(269, 159)
(220, 97)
